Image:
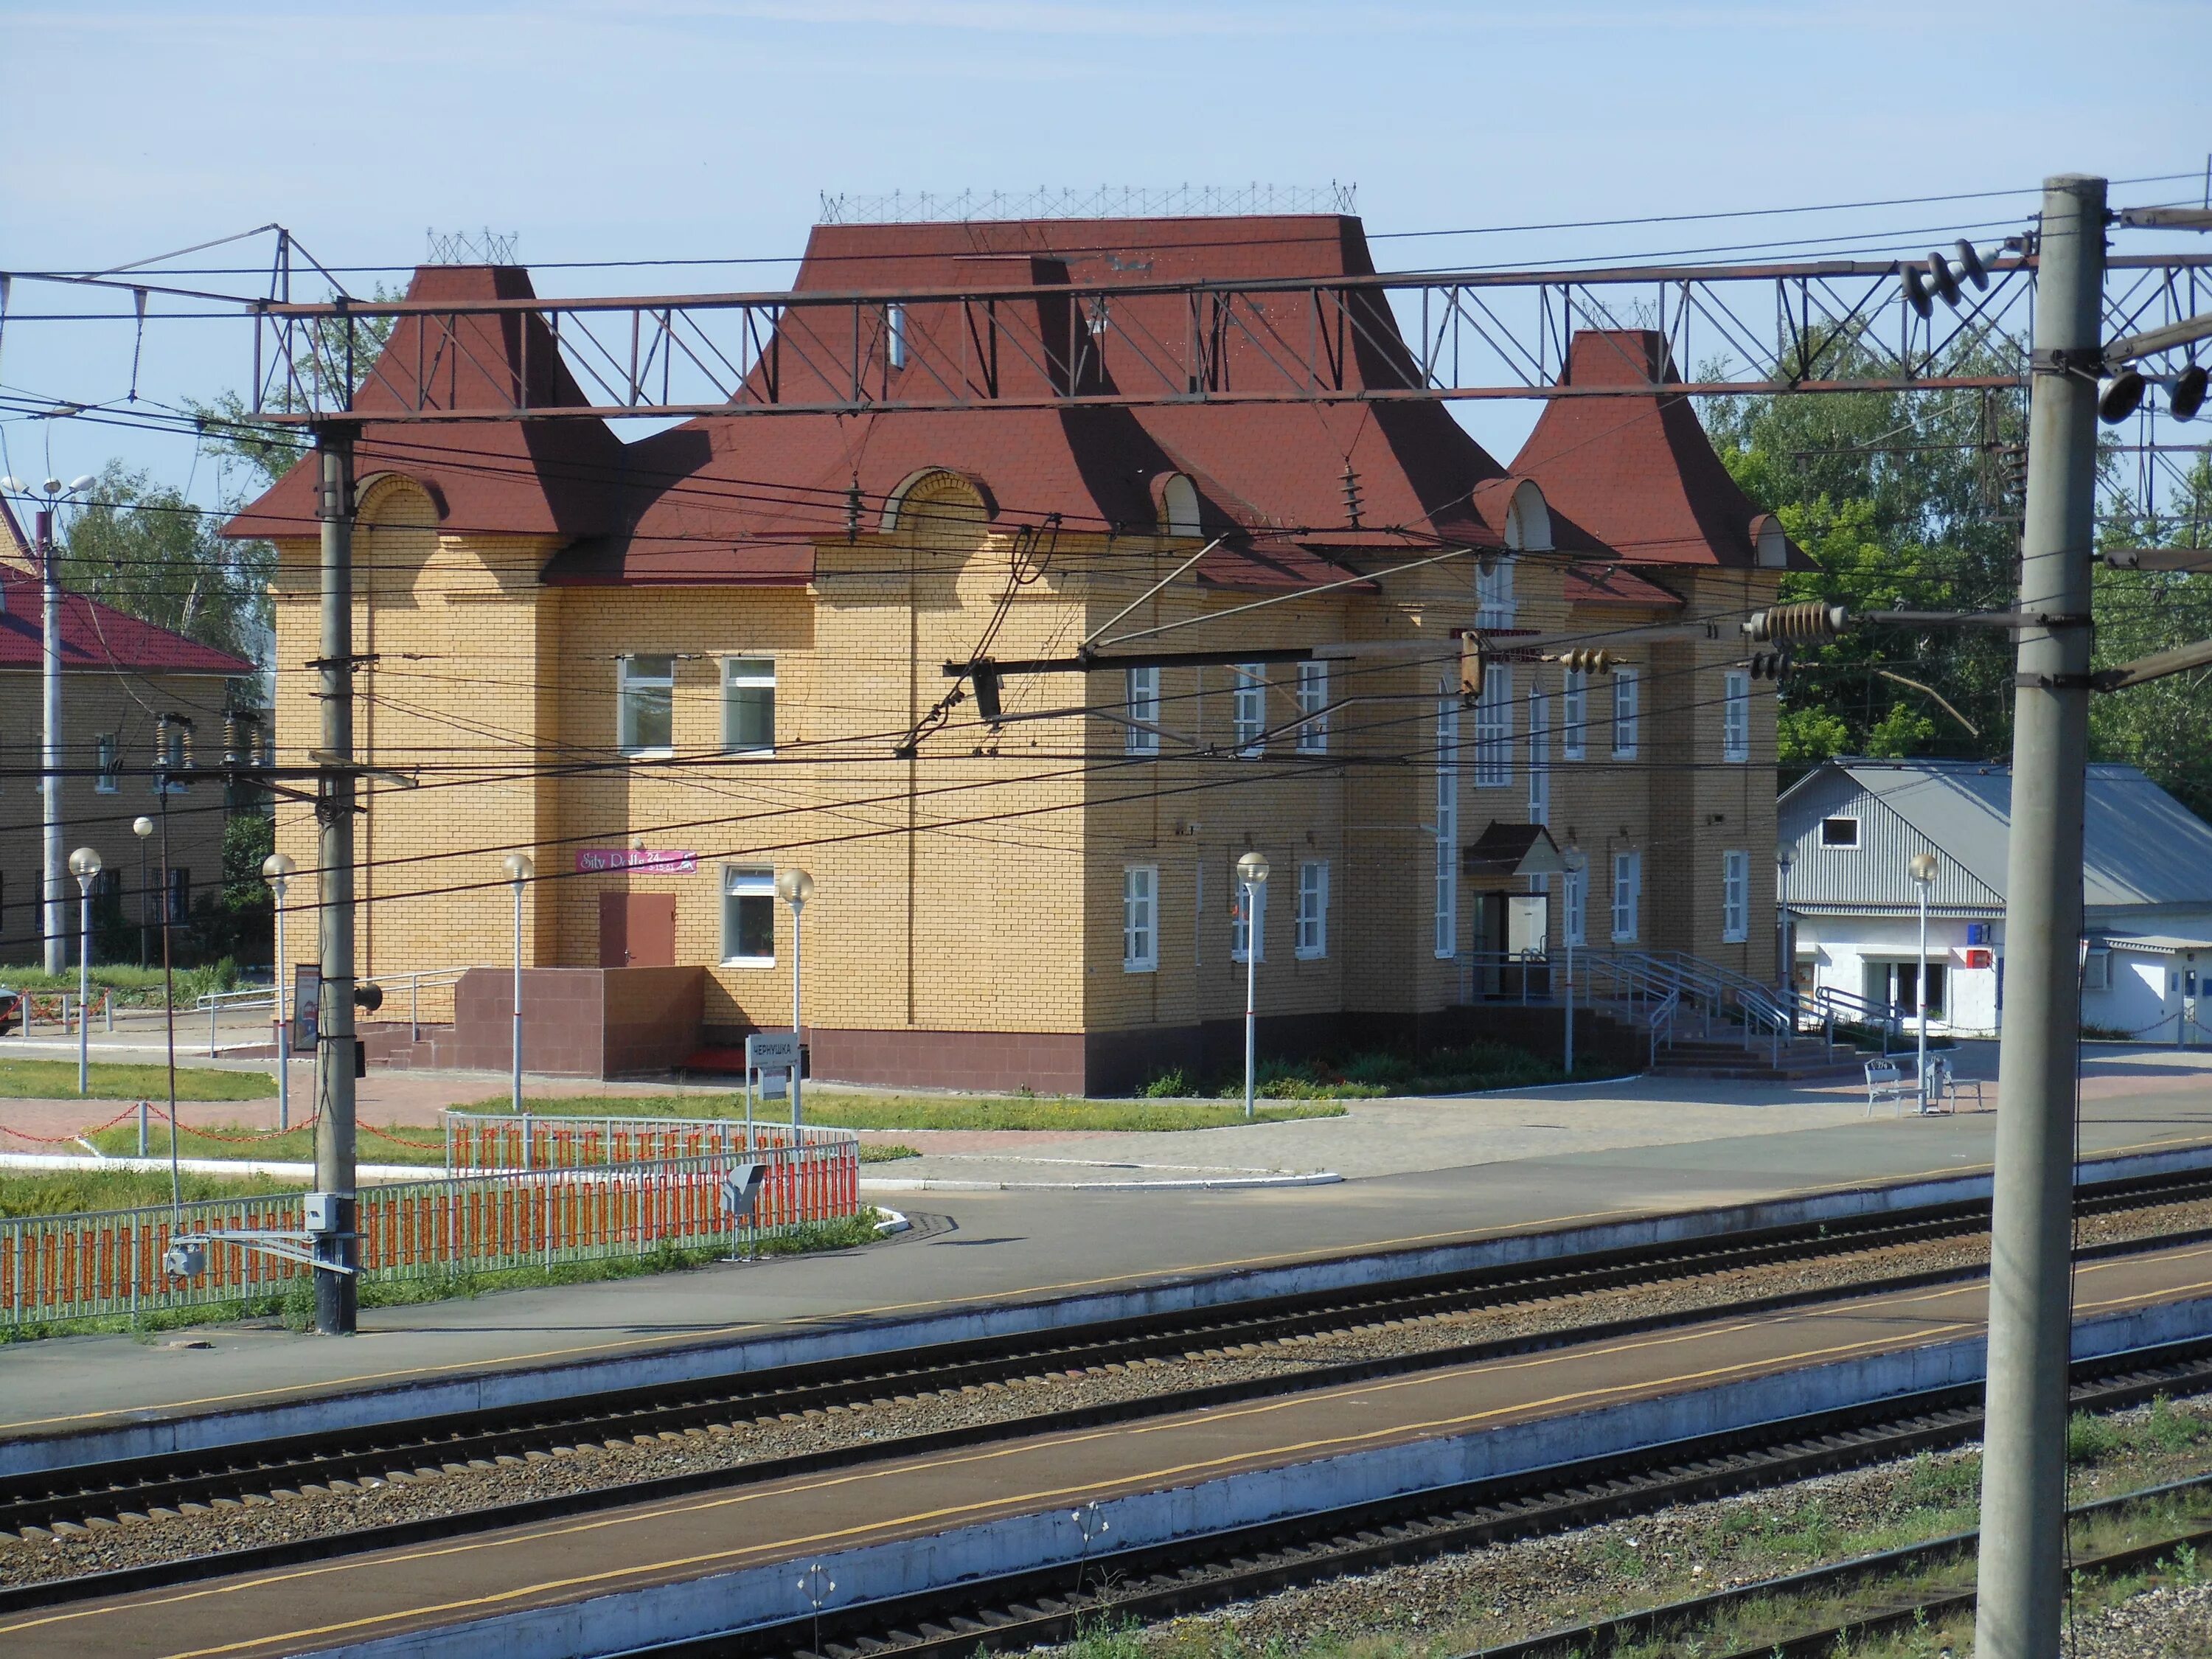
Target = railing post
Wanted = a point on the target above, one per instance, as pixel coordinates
(414, 1007)
(213, 1004)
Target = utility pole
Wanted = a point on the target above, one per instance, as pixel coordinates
(2023, 1569)
(53, 926)
(336, 1299)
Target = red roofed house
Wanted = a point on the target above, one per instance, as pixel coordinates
(118, 673)
(669, 668)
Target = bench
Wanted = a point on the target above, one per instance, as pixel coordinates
(1886, 1084)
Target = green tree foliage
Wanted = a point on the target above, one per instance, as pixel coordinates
(150, 553)
(2162, 727)
(1904, 501)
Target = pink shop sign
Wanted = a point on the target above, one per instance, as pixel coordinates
(655, 861)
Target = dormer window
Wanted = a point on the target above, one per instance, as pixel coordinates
(894, 336)
(1178, 505)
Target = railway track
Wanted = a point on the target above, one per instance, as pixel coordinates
(91, 1495)
(1028, 1609)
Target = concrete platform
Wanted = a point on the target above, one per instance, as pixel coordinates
(998, 1249)
(621, 1579)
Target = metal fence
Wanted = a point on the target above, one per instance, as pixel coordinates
(109, 1262)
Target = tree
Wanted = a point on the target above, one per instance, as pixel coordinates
(1904, 501)
(152, 554)
(2161, 726)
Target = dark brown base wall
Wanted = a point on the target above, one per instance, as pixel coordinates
(579, 1021)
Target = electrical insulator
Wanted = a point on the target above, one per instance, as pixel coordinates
(230, 739)
(1770, 665)
(983, 676)
(1470, 668)
(1585, 661)
(2012, 458)
(1808, 619)
(852, 513)
(1350, 497)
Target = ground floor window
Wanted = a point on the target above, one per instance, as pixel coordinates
(180, 895)
(1897, 984)
(1313, 910)
(1735, 898)
(748, 917)
(1140, 933)
(1241, 926)
(1627, 896)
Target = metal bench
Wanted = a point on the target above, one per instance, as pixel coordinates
(1886, 1083)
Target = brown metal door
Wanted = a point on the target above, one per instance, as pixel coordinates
(637, 930)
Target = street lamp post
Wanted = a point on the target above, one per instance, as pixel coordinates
(1577, 861)
(1252, 870)
(141, 828)
(794, 887)
(520, 869)
(84, 865)
(1786, 962)
(1923, 871)
(276, 870)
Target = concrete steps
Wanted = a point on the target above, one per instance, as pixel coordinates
(1722, 1059)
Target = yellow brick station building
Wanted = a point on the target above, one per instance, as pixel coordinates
(667, 669)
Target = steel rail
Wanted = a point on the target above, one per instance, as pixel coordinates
(1157, 1581)
(79, 1495)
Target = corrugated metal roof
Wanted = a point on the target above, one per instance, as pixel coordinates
(2140, 845)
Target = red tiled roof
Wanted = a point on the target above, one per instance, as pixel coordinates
(1634, 476)
(535, 478)
(722, 500)
(1609, 583)
(99, 636)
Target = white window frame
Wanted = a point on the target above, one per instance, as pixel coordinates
(627, 681)
(741, 674)
(1140, 690)
(1493, 730)
(1539, 755)
(1446, 939)
(1576, 894)
(109, 752)
(1627, 896)
(1313, 708)
(1248, 710)
(1238, 929)
(1140, 918)
(1735, 896)
(746, 881)
(895, 341)
(1310, 942)
(1850, 846)
(1736, 716)
(1627, 712)
(1574, 715)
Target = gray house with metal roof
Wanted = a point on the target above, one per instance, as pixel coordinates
(1848, 829)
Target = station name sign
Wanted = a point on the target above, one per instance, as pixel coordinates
(659, 861)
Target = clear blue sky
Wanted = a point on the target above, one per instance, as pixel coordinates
(710, 128)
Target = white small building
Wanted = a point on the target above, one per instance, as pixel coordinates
(1851, 911)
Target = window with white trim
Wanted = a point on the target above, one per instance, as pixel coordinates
(1447, 868)
(1248, 711)
(1735, 715)
(1735, 898)
(894, 336)
(110, 766)
(1575, 885)
(1539, 756)
(1627, 709)
(1493, 730)
(748, 705)
(1142, 689)
(1494, 593)
(1313, 708)
(1312, 940)
(1627, 895)
(1574, 714)
(1240, 924)
(645, 704)
(1140, 908)
(747, 916)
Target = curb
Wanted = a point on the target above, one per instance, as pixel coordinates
(1220, 1183)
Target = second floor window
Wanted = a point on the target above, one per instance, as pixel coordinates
(1627, 709)
(748, 704)
(1735, 715)
(1313, 708)
(1312, 940)
(109, 765)
(1142, 735)
(1540, 757)
(1249, 710)
(1493, 731)
(1574, 715)
(645, 693)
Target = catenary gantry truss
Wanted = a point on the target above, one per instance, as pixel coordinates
(1824, 325)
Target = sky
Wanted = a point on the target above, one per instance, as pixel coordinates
(711, 129)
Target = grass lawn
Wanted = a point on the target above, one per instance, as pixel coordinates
(71, 1191)
(850, 1111)
(56, 1080)
(413, 1145)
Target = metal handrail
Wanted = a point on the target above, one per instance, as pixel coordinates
(1663, 1021)
(216, 1002)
